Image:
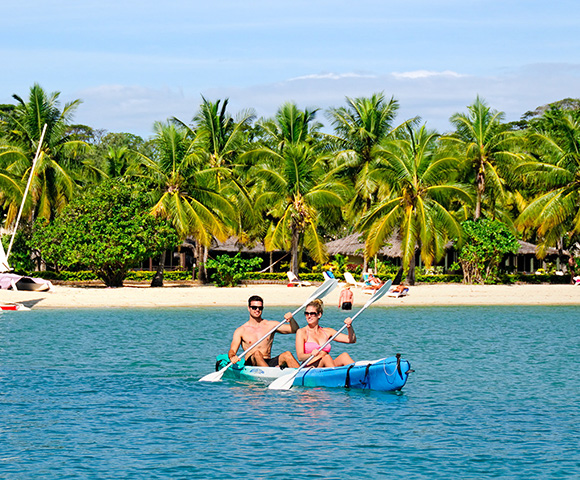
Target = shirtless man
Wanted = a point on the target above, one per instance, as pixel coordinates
(254, 329)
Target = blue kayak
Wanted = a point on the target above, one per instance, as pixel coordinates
(386, 374)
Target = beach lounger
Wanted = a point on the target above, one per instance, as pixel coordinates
(350, 279)
(295, 281)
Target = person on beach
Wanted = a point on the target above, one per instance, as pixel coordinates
(310, 338)
(346, 298)
(254, 329)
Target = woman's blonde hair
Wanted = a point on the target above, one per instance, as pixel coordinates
(317, 304)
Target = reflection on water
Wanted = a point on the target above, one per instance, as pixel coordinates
(114, 393)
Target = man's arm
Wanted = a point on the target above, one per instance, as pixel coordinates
(234, 347)
(291, 326)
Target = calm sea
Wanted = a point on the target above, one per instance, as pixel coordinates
(114, 394)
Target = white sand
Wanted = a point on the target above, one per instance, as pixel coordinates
(281, 295)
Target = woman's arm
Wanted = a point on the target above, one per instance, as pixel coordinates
(349, 337)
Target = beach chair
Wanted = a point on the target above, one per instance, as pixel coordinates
(350, 279)
(295, 281)
(328, 275)
(371, 283)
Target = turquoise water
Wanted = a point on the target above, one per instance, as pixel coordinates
(114, 394)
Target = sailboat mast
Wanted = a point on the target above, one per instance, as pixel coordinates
(26, 191)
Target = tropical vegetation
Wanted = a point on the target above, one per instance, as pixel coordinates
(104, 230)
(290, 183)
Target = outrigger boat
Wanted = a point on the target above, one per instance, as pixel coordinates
(15, 307)
(386, 375)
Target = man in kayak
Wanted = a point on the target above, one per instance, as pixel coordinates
(254, 329)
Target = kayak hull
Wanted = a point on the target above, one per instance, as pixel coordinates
(386, 374)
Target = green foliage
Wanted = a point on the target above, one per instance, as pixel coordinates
(106, 230)
(439, 278)
(486, 243)
(230, 271)
(20, 255)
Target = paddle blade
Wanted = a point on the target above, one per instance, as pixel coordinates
(213, 376)
(380, 292)
(283, 383)
(324, 289)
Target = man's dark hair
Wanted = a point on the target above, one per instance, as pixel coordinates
(255, 298)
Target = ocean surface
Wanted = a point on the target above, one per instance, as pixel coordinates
(115, 394)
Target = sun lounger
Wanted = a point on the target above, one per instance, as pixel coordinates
(350, 279)
(295, 281)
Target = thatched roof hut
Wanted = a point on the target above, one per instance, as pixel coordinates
(233, 245)
(353, 245)
(527, 248)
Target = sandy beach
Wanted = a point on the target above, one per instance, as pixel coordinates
(281, 295)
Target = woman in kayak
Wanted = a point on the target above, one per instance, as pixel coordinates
(310, 338)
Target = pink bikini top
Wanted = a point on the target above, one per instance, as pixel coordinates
(309, 347)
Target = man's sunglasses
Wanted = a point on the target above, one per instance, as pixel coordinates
(253, 307)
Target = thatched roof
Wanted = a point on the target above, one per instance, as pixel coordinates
(354, 245)
(233, 245)
(527, 248)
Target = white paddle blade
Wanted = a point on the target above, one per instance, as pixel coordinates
(212, 377)
(324, 289)
(381, 291)
(283, 383)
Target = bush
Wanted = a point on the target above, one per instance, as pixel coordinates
(440, 278)
(230, 271)
(107, 229)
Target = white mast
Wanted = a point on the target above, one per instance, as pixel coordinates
(25, 193)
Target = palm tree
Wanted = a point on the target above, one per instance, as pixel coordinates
(421, 187)
(184, 189)
(58, 166)
(295, 189)
(360, 127)
(488, 150)
(293, 185)
(221, 139)
(554, 178)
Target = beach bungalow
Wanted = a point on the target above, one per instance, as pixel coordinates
(524, 261)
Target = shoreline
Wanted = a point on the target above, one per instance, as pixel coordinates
(191, 296)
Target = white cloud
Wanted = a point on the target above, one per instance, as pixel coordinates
(330, 76)
(426, 74)
(434, 96)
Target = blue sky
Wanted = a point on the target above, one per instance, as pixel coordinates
(136, 62)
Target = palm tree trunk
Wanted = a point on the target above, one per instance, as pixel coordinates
(411, 272)
(294, 251)
(201, 254)
(480, 186)
(158, 277)
(203, 271)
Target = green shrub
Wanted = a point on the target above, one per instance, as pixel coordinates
(440, 278)
(228, 271)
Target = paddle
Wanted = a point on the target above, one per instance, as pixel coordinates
(285, 382)
(320, 292)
